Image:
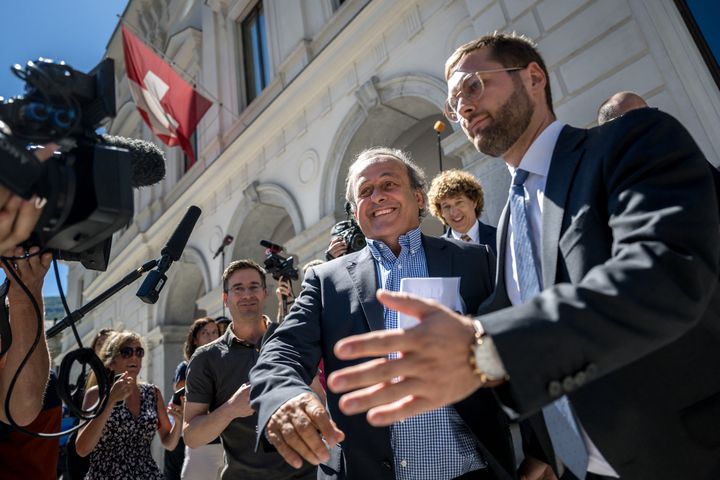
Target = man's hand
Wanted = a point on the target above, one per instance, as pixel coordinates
(17, 215)
(337, 248)
(433, 369)
(240, 401)
(301, 428)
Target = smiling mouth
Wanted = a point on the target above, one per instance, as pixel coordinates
(383, 211)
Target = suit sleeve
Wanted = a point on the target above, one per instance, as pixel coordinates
(288, 360)
(655, 283)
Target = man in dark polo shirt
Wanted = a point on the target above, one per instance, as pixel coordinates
(217, 388)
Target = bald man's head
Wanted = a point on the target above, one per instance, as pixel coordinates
(618, 105)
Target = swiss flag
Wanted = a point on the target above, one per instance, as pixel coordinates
(168, 104)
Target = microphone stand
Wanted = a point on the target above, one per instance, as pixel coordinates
(78, 314)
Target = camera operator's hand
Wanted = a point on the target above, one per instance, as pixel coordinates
(284, 288)
(337, 248)
(28, 393)
(17, 215)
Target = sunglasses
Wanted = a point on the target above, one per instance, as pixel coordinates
(127, 352)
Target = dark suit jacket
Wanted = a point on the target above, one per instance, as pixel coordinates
(487, 235)
(628, 325)
(338, 300)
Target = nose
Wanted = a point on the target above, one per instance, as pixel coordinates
(378, 196)
(465, 107)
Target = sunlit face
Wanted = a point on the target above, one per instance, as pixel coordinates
(386, 204)
(495, 121)
(246, 295)
(458, 212)
(207, 334)
(128, 358)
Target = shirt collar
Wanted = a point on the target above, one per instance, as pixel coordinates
(229, 337)
(412, 240)
(537, 158)
(473, 233)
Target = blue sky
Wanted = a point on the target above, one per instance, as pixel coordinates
(76, 31)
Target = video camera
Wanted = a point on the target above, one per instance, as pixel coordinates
(277, 265)
(88, 187)
(351, 234)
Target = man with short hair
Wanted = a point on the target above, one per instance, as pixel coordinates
(387, 194)
(606, 314)
(217, 387)
(456, 199)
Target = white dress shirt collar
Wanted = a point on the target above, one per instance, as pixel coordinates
(537, 158)
(473, 233)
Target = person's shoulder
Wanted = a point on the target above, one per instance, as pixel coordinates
(635, 123)
(340, 263)
(210, 350)
(459, 246)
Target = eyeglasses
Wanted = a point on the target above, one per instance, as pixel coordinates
(127, 352)
(252, 289)
(471, 88)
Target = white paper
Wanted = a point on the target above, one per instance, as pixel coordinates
(443, 290)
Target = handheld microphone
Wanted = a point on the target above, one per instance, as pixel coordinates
(147, 160)
(149, 291)
(226, 241)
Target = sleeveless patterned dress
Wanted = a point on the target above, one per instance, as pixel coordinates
(123, 452)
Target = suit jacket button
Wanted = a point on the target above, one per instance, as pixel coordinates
(555, 388)
(580, 378)
(568, 384)
(591, 370)
(386, 463)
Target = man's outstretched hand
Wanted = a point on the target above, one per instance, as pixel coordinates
(302, 429)
(433, 369)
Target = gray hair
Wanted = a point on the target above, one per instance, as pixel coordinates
(415, 173)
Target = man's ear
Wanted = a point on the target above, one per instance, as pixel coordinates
(420, 198)
(538, 80)
(225, 298)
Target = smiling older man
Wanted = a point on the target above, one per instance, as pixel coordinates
(387, 195)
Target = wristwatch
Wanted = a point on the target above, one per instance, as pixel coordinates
(484, 358)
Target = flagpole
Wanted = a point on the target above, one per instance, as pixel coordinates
(196, 84)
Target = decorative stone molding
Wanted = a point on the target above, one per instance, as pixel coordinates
(367, 95)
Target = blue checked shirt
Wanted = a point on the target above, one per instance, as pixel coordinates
(434, 445)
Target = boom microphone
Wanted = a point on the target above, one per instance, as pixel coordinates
(149, 291)
(147, 159)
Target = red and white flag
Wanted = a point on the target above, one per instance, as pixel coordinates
(168, 104)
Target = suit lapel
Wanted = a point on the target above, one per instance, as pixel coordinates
(439, 263)
(566, 156)
(364, 276)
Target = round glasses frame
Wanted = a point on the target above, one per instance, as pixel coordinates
(471, 88)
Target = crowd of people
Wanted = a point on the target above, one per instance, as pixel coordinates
(585, 345)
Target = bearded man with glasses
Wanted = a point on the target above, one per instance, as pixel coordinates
(604, 328)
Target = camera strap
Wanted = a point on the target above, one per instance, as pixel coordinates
(5, 332)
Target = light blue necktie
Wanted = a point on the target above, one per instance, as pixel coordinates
(563, 429)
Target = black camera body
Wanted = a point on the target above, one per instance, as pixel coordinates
(277, 265)
(88, 188)
(351, 234)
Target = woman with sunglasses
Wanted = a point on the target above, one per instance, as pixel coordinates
(118, 439)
